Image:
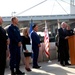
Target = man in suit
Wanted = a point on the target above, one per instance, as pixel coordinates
(3, 48)
(15, 44)
(35, 46)
(63, 44)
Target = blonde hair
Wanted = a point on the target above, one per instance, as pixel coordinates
(25, 30)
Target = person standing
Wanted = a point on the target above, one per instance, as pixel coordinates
(63, 44)
(35, 46)
(26, 41)
(3, 48)
(57, 45)
(15, 44)
(69, 30)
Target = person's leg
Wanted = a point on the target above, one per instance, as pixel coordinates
(67, 58)
(58, 55)
(12, 61)
(2, 63)
(27, 62)
(62, 58)
(27, 65)
(35, 58)
(2, 68)
(18, 57)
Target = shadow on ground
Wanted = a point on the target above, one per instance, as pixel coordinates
(52, 68)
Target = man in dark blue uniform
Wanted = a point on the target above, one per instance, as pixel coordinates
(35, 46)
(15, 44)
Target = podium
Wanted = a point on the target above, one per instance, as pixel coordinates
(71, 42)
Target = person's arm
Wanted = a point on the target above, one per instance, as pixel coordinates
(71, 32)
(23, 43)
(3, 36)
(7, 52)
(35, 39)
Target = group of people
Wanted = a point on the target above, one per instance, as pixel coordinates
(63, 47)
(14, 41)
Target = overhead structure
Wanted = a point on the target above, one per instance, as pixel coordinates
(72, 7)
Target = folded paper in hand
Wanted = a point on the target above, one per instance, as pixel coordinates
(29, 48)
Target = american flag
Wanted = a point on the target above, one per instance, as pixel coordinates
(46, 40)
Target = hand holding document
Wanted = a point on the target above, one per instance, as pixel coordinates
(29, 48)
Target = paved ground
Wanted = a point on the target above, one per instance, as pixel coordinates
(53, 68)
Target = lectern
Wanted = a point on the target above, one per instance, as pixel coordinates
(71, 42)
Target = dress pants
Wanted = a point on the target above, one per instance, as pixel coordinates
(14, 58)
(2, 62)
(35, 57)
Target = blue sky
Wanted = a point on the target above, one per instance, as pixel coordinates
(50, 7)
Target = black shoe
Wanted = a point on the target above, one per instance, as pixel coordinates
(62, 64)
(19, 72)
(39, 66)
(13, 73)
(67, 64)
(36, 67)
(58, 60)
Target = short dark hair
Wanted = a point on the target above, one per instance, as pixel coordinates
(13, 18)
(34, 26)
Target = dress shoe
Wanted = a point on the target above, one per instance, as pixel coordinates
(19, 72)
(39, 66)
(13, 73)
(36, 67)
(62, 64)
(67, 64)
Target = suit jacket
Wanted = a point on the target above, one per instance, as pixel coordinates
(35, 40)
(3, 40)
(62, 33)
(14, 35)
(63, 43)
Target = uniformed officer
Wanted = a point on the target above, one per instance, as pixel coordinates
(15, 44)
